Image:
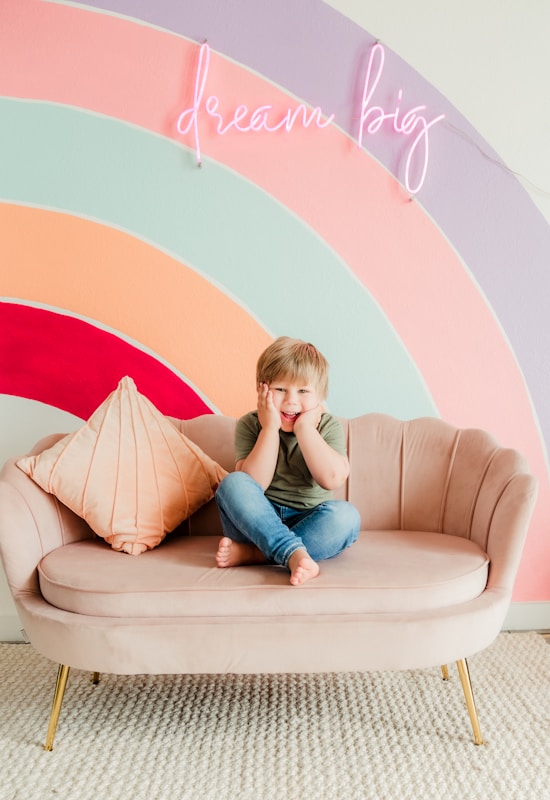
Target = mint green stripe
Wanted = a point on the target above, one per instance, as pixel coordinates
(219, 223)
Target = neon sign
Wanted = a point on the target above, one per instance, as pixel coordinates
(264, 117)
(373, 117)
(242, 119)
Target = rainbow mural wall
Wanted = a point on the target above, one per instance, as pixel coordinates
(420, 270)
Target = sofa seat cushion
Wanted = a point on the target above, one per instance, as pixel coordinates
(383, 572)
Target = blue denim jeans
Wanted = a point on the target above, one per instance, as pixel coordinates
(278, 531)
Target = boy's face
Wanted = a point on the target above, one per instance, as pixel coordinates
(292, 398)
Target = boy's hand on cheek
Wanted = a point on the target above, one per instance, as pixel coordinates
(309, 419)
(268, 415)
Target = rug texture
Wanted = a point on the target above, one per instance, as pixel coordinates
(379, 736)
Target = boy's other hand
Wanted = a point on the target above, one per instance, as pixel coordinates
(268, 415)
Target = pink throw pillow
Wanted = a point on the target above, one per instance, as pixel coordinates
(128, 472)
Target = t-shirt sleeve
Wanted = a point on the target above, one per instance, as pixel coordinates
(332, 432)
(246, 433)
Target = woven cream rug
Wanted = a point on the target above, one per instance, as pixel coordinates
(294, 737)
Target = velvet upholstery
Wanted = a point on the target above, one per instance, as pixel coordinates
(444, 516)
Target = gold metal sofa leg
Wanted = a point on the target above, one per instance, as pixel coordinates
(445, 672)
(464, 673)
(61, 683)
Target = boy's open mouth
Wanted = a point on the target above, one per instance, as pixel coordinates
(290, 417)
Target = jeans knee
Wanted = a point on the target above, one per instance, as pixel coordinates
(230, 484)
(354, 523)
(349, 520)
(354, 519)
(239, 493)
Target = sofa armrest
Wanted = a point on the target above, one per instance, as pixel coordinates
(32, 523)
(508, 529)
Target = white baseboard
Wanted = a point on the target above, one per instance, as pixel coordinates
(528, 617)
(520, 617)
(10, 628)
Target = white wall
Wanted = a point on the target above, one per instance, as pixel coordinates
(34, 421)
(490, 58)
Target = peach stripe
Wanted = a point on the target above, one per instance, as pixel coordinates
(194, 327)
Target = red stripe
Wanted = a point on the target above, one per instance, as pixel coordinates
(72, 365)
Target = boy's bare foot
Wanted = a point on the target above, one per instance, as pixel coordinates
(237, 554)
(302, 568)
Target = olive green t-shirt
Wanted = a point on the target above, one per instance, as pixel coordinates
(292, 484)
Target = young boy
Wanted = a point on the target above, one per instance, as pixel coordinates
(276, 507)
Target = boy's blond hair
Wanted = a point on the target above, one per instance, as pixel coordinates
(293, 359)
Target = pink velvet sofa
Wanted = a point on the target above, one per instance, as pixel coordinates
(444, 516)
